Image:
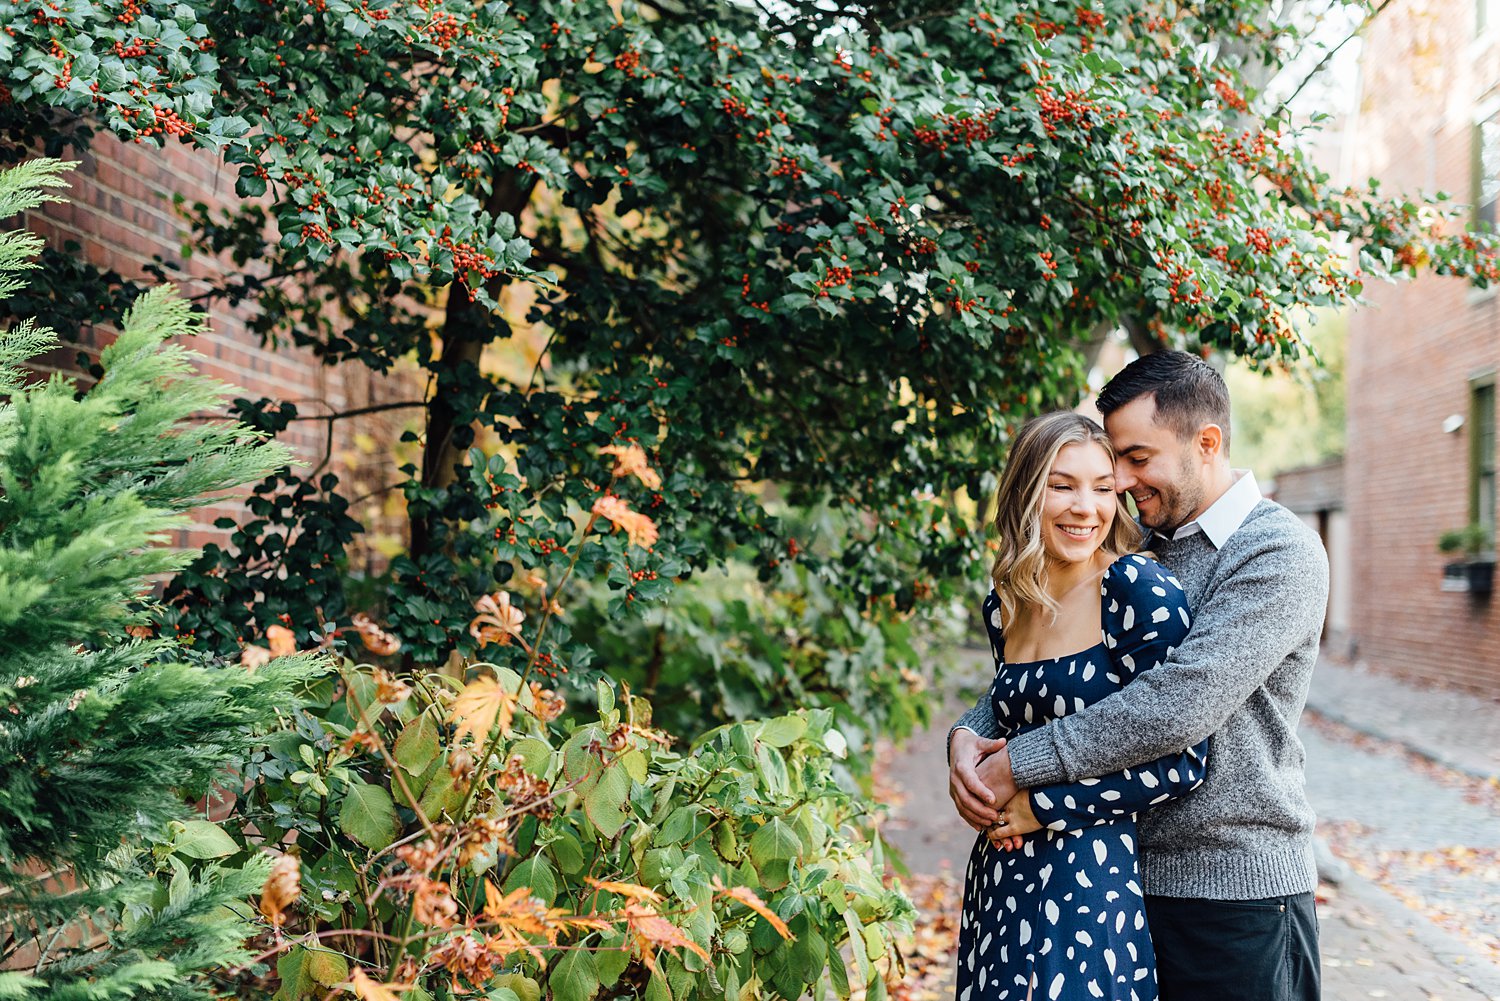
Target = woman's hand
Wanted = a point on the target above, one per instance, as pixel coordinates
(1016, 821)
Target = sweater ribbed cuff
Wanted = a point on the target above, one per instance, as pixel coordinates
(1230, 875)
(1034, 761)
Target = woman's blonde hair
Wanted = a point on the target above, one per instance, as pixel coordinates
(1020, 570)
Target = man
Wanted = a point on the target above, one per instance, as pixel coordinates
(1228, 870)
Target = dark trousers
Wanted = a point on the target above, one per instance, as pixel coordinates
(1245, 950)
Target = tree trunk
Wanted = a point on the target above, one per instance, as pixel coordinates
(468, 327)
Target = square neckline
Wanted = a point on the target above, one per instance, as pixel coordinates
(1004, 663)
(1048, 660)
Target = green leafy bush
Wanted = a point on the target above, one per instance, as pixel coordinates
(729, 646)
(461, 836)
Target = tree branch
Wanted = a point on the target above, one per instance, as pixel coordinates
(362, 411)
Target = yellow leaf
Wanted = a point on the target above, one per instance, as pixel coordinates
(482, 702)
(630, 890)
(370, 989)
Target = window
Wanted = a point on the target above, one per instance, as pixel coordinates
(1487, 172)
(1482, 453)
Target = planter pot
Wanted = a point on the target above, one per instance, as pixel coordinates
(1471, 576)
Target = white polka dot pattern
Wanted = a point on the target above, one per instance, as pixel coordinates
(1064, 918)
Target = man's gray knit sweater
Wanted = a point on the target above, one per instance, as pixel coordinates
(1241, 676)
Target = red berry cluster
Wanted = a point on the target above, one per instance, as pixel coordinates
(628, 62)
(1044, 28)
(135, 49)
(442, 31)
(835, 276)
(1183, 287)
(41, 17)
(995, 35)
(1229, 95)
(468, 261)
(1072, 108)
(545, 664)
(312, 231)
(967, 129)
(1049, 265)
(1259, 240)
(1088, 19)
(788, 166)
(764, 307)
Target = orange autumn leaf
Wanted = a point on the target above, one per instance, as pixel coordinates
(370, 989)
(281, 888)
(630, 460)
(519, 912)
(476, 709)
(375, 639)
(546, 704)
(641, 529)
(630, 890)
(748, 897)
(498, 620)
(652, 931)
(281, 640)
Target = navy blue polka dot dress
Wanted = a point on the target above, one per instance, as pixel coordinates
(1063, 918)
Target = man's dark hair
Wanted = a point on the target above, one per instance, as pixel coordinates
(1188, 392)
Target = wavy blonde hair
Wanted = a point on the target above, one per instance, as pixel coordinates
(1020, 570)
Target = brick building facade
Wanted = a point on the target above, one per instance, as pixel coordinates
(1421, 448)
(120, 211)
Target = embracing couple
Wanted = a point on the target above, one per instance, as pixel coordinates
(1134, 769)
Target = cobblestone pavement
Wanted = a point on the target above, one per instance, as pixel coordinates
(1459, 730)
(1415, 914)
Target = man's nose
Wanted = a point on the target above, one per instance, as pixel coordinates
(1123, 480)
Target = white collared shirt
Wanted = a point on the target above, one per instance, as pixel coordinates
(1225, 515)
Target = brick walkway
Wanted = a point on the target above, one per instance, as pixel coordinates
(1416, 846)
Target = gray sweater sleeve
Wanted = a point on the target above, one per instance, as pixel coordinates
(980, 718)
(1267, 597)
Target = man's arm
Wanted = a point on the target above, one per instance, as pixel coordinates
(1268, 605)
(980, 718)
(975, 735)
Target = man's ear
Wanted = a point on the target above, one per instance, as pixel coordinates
(1211, 441)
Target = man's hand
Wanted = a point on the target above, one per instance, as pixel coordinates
(994, 771)
(975, 800)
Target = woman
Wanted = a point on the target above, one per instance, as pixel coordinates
(1074, 615)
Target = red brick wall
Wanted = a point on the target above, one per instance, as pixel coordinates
(1412, 354)
(121, 212)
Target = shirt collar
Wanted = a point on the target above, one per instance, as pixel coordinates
(1225, 515)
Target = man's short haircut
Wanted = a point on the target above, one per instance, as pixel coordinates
(1188, 392)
